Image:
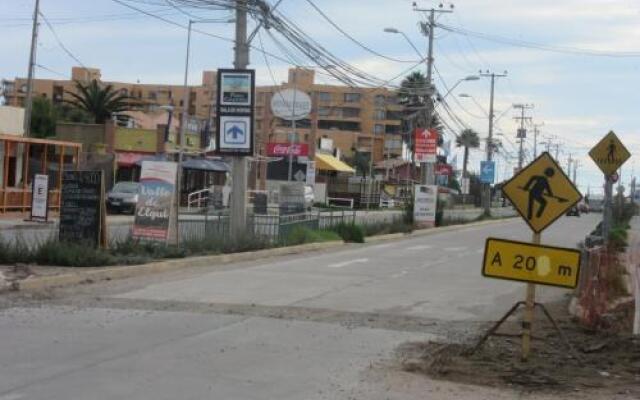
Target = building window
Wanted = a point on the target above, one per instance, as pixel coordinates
(379, 115)
(378, 129)
(379, 100)
(324, 96)
(324, 111)
(348, 112)
(351, 97)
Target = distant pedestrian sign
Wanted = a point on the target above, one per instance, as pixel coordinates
(534, 263)
(609, 154)
(487, 171)
(541, 192)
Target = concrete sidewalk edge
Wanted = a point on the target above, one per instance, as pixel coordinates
(90, 275)
(432, 231)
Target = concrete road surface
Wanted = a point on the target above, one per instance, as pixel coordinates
(310, 326)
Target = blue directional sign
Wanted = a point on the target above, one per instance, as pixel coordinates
(487, 171)
(235, 132)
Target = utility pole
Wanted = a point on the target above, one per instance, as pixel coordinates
(427, 170)
(569, 160)
(486, 187)
(28, 105)
(536, 132)
(575, 171)
(522, 132)
(239, 163)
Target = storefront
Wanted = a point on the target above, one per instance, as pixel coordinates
(21, 158)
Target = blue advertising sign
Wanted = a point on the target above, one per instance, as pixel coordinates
(487, 171)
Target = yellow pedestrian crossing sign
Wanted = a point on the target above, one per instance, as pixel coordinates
(609, 154)
(534, 263)
(541, 192)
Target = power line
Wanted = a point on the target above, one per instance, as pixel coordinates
(540, 46)
(57, 38)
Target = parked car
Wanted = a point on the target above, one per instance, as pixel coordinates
(573, 212)
(123, 197)
(583, 207)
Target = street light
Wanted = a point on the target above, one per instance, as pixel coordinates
(465, 79)
(468, 96)
(394, 30)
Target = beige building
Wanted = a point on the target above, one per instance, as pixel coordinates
(360, 119)
(149, 97)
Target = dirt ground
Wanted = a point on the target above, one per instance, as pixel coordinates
(602, 362)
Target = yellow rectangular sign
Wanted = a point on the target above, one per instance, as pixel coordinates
(534, 263)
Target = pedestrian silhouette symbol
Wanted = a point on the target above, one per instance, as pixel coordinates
(539, 188)
(611, 155)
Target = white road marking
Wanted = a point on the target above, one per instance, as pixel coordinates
(454, 248)
(419, 247)
(345, 263)
(403, 273)
(12, 396)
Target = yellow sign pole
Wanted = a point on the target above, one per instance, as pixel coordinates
(528, 312)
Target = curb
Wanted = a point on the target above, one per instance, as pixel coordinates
(432, 231)
(91, 275)
(130, 271)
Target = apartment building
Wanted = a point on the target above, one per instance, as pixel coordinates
(147, 97)
(361, 119)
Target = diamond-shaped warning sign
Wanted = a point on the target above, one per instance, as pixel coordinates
(541, 192)
(609, 154)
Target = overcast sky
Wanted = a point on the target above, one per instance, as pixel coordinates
(578, 97)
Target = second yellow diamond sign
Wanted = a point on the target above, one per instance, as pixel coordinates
(541, 192)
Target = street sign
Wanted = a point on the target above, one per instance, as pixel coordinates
(426, 145)
(487, 171)
(609, 154)
(40, 198)
(465, 185)
(425, 203)
(541, 192)
(234, 112)
(291, 104)
(533, 263)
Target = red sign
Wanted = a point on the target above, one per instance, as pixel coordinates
(426, 145)
(283, 149)
(444, 169)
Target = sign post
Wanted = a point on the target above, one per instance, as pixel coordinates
(609, 154)
(39, 198)
(235, 134)
(425, 203)
(541, 193)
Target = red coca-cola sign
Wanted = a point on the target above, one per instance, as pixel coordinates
(444, 169)
(284, 149)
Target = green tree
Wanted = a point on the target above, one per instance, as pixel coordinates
(468, 139)
(100, 101)
(43, 118)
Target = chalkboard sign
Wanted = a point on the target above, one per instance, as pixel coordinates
(82, 209)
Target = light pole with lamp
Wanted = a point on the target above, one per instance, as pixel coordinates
(185, 112)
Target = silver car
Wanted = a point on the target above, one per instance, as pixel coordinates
(123, 197)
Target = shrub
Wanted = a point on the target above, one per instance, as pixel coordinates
(350, 232)
(68, 254)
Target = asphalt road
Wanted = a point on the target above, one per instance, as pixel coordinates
(310, 326)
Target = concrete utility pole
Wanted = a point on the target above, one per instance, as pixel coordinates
(575, 171)
(536, 132)
(239, 164)
(569, 161)
(427, 170)
(28, 105)
(522, 132)
(486, 189)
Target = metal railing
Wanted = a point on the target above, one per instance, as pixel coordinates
(199, 197)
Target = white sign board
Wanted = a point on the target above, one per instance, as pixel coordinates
(236, 88)
(40, 197)
(291, 104)
(425, 201)
(465, 186)
(155, 210)
(311, 173)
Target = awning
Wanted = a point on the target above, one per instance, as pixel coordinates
(205, 165)
(128, 159)
(330, 163)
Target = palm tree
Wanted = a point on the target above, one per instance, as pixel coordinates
(468, 139)
(100, 101)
